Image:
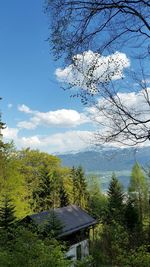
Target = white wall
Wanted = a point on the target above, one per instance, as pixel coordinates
(72, 253)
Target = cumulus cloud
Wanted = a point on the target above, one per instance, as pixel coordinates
(53, 143)
(90, 69)
(61, 118)
(10, 133)
(25, 109)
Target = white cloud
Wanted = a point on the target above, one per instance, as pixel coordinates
(53, 143)
(10, 133)
(105, 113)
(90, 69)
(60, 142)
(25, 109)
(61, 118)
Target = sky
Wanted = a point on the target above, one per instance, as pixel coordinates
(38, 113)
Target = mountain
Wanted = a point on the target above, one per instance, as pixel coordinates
(103, 163)
(110, 160)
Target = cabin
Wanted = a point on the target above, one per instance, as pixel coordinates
(75, 226)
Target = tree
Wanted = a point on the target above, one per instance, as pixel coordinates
(52, 226)
(115, 201)
(64, 200)
(7, 214)
(29, 250)
(80, 27)
(80, 191)
(76, 25)
(131, 216)
(138, 190)
(32, 165)
(7, 221)
(42, 195)
(97, 201)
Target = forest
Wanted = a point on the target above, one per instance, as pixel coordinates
(32, 181)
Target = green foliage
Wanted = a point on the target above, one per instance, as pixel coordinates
(42, 194)
(31, 180)
(131, 215)
(12, 181)
(139, 257)
(97, 202)
(7, 214)
(64, 199)
(86, 262)
(112, 244)
(52, 226)
(138, 190)
(80, 191)
(29, 250)
(115, 200)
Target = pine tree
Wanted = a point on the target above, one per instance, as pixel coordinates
(75, 184)
(79, 187)
(42, 195)
(64, 200)
(52, 225)
(131, 216)
(115, 200)
(7, 214)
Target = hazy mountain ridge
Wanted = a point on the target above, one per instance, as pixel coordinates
(102, 161)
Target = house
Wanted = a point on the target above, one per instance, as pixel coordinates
(76, 224)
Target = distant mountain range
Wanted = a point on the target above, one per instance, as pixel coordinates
(103, 163)
(110, 160)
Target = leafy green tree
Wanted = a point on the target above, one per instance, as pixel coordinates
(32, 164)
(12, 182)
(115, 200)
(29, 250)
(97, 201)
(138, 190)
(110, 249)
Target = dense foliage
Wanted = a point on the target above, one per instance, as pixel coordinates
(32, 181)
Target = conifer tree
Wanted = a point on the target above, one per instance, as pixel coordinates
(42, 195)
(7, 214)
(64, 200)
(7, 221)
(131, 216)
(75, 184)
(115, 200)
(79, 187)
(52, 226)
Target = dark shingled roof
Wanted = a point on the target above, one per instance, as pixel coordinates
(72, 217)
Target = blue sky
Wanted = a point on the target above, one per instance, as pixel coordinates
(37, 112)
(27, 67)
